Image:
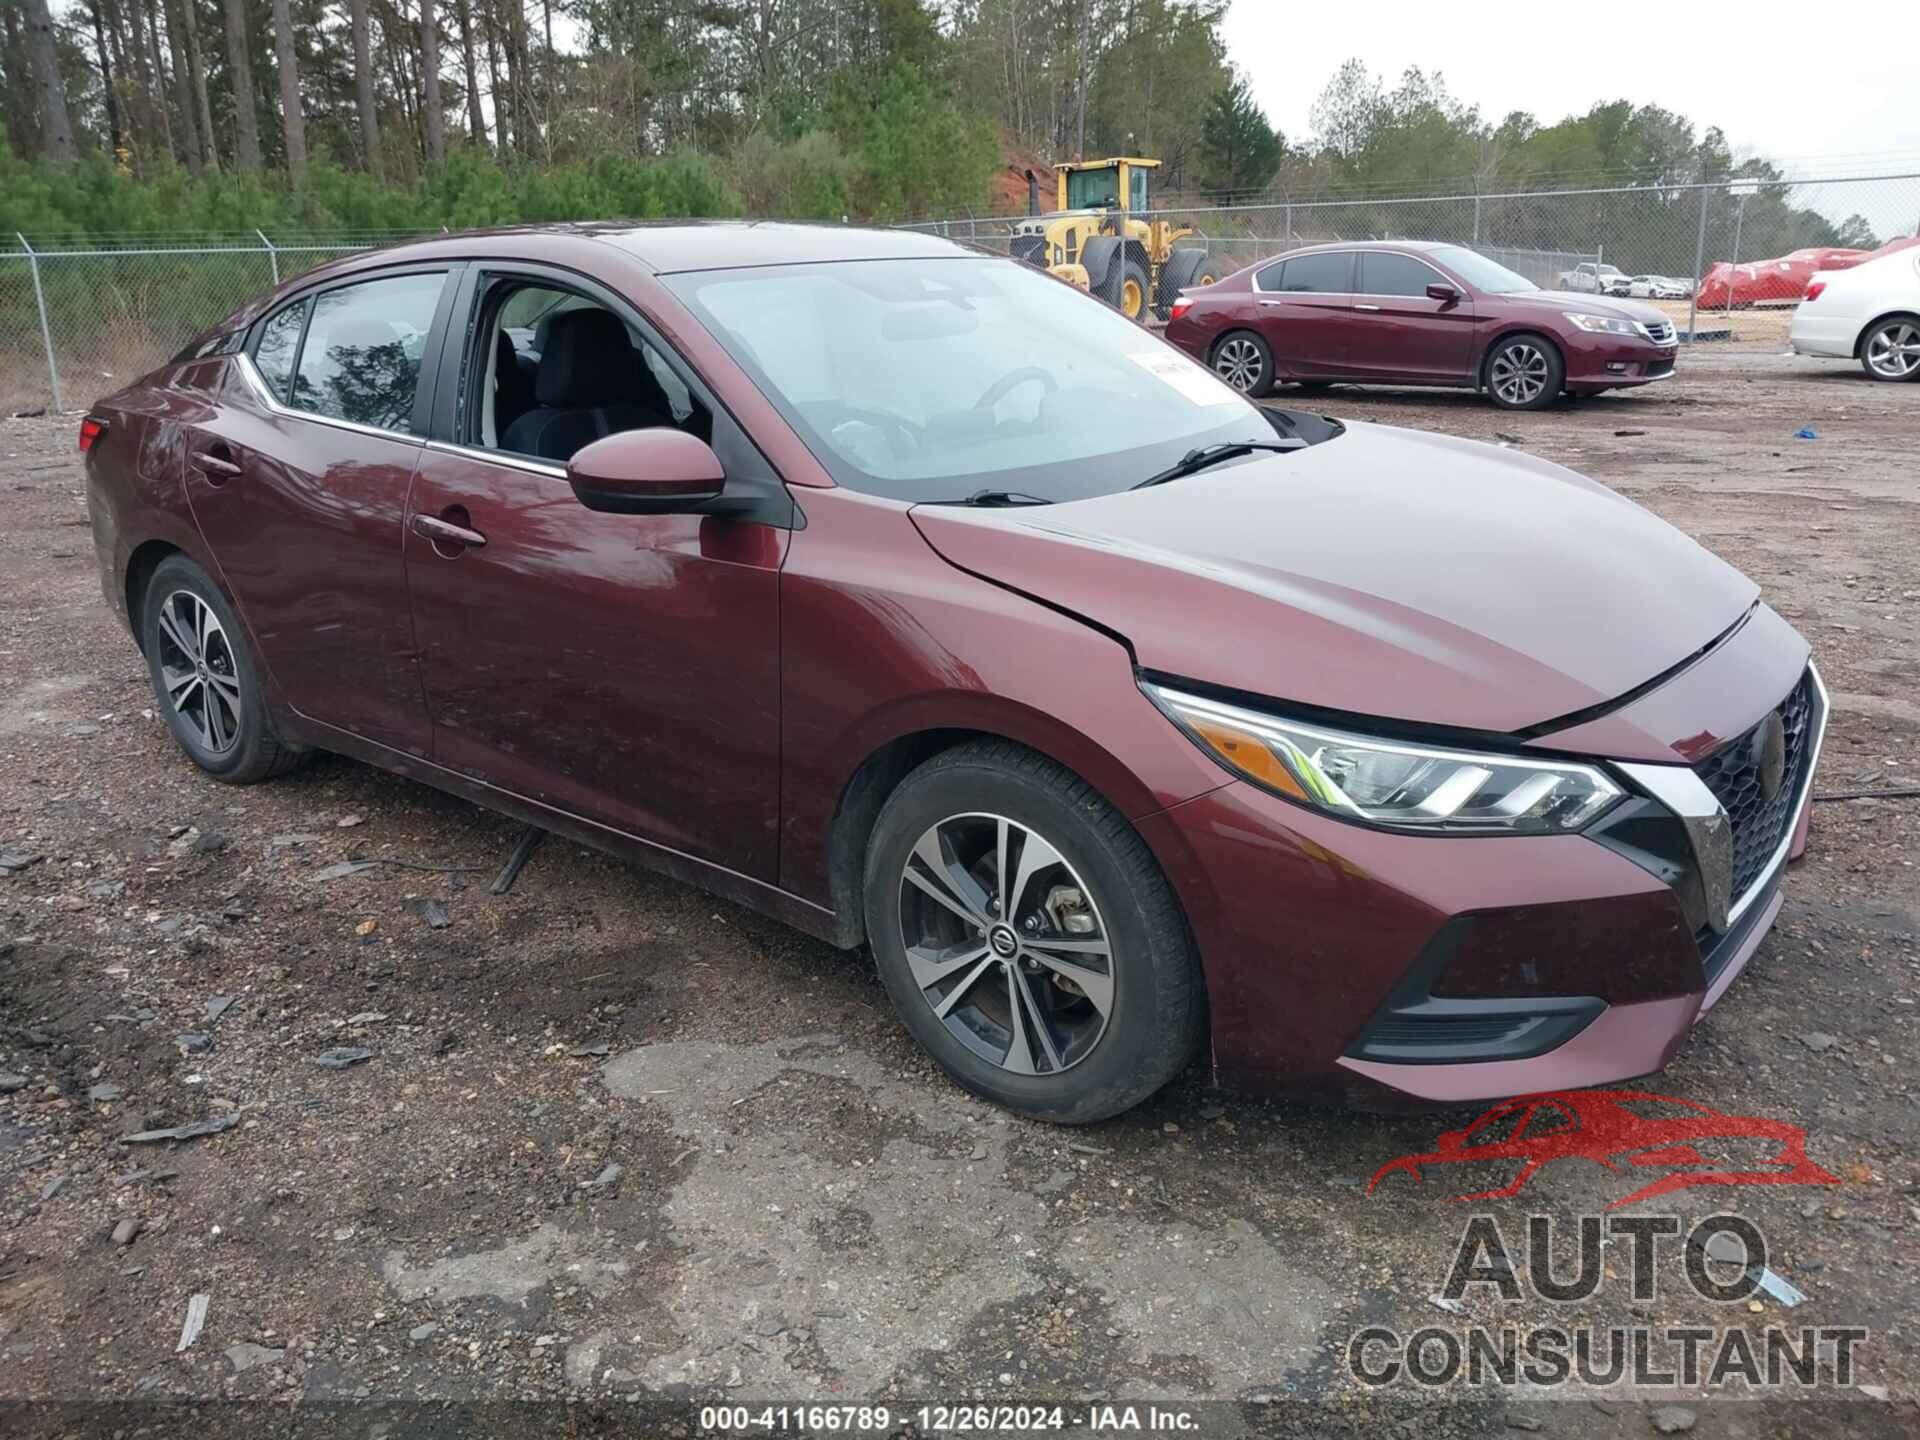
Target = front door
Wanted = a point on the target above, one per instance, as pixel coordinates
(621, 668)
(298, 480)
(1399, 332)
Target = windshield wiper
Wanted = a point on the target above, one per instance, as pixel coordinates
(996, 497)
(1213, 454)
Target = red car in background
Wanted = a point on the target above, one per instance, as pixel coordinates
(1413, 313)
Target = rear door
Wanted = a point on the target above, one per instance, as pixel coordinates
(1399, 331)
(299, 483)
(1304, 305)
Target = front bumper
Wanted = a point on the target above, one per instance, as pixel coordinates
(1605, 362)
(1368, 964)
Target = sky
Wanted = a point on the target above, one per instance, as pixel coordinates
(1793, 83)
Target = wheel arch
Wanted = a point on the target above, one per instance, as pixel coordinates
(146, 558)
(1860, 340)
(1512, 330)
(885, 764)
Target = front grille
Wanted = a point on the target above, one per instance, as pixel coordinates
(1732, 773)
(1030, 248)
(1659, 331)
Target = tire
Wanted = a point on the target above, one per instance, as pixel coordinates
(1524, 372)
(1188, 268)
(1134, 292)
(1242, 359)
(1101, 256)
(1890, 349)
(1066, 1059)
(198, 657)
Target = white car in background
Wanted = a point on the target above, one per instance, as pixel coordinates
(1870, 313)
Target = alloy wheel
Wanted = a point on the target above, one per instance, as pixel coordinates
(1238, 362)
(1893, 351)
(199, 671)
(1518, 373)
(1006, 944)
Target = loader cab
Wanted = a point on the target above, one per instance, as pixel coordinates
(1117, 184)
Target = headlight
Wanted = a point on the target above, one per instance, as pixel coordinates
(1394, 783)
(1602, 324)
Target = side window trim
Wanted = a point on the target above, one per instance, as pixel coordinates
(1427, 265)
(426, 387)
(462, 340)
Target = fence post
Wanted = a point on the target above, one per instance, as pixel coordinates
(46, 333)
(273, 256)
(1699, 268)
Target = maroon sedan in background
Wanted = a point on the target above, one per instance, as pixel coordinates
(925, 603)
(1410, 313)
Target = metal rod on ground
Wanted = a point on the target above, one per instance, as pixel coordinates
(523, 849)
(273, 257)
(46, 333)
(1699, 266)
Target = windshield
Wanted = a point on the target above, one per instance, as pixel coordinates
(1481, 273)
(932, 379)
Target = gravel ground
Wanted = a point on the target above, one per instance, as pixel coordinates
(611, 1138)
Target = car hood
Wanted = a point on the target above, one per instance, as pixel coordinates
(1561, 301)
(1384, 573)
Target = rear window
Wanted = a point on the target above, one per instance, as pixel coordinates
(1317, 275)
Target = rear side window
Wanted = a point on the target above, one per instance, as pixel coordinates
(361, 359)
(1318, 274)
(279, 343)
(1268, 277)
(1387, 274)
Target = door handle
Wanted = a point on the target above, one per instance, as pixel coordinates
(432, 527)
(1366, 307)
(215, 463)
(1273, 304)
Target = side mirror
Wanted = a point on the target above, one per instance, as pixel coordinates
(661, 471)
(1445, 294)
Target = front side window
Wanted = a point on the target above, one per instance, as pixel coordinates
(1318, 274)
(557, 371)
(929, 380)
(279, 342)
(361, 360)
(1384, 273)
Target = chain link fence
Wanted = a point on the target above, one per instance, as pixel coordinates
(1720, 258)
(77, 321)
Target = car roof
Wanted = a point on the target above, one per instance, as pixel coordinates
(665, 247)
(1416, 247)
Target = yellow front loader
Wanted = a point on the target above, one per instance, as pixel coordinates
(1095, 238)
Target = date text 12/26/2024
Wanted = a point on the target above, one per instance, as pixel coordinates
(937, 1419)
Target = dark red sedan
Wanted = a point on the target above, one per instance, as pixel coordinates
(919, 600)
(1408, 313)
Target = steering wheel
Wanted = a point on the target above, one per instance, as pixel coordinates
(1011, 381)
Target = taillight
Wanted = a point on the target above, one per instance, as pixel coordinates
(1180, 307)
(90, 431)
(1816, 289)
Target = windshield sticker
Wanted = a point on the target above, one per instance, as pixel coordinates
(1182, 374)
